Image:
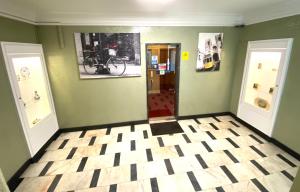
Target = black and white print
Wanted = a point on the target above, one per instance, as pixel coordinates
(210, 46)
(106, 55)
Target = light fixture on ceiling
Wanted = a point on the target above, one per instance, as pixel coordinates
(161, 2)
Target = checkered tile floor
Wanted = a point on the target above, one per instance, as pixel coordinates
(213, 154)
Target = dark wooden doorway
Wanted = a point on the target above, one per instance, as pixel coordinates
(163, 66)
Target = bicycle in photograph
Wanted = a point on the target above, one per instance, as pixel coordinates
(114, 65)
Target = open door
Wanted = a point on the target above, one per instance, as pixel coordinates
(28, 77)
(162, 79)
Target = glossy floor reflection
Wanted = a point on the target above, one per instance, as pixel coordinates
(212, 154)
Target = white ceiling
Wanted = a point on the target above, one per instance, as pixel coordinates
(148, 12)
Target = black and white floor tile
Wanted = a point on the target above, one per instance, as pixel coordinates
(212, 154)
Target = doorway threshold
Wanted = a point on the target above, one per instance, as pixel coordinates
(163, 119)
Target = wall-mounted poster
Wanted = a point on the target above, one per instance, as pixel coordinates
(185, 56)
(154, 59)
(105, 55)
(210, 46)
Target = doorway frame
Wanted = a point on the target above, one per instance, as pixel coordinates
(177, 76)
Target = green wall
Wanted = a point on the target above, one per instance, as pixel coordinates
(286, 128)
(101, 101)
(13, 148)
(296, 183)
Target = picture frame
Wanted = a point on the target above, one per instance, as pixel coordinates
(108, 55)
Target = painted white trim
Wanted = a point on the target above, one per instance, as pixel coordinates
(216, 20)
(282, 79)
(268, 18)
(31, 50)
(202, 20)
(279, 44)
(11, 79)
(17, 18)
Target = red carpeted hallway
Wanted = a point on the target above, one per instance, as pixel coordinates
(161, 104)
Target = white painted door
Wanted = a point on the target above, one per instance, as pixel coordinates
(264, 75)
(27, 73)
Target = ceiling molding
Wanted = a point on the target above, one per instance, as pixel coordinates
(17, 18)
(277, 11)
(20, 11)
(220, 20)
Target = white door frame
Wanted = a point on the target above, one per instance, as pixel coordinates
(36, 49)
(275, 44)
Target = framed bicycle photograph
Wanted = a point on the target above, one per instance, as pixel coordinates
(106, 55)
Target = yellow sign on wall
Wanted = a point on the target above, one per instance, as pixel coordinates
(185, 55)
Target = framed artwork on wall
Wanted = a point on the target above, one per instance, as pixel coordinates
(107, 55)
(210, 47)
